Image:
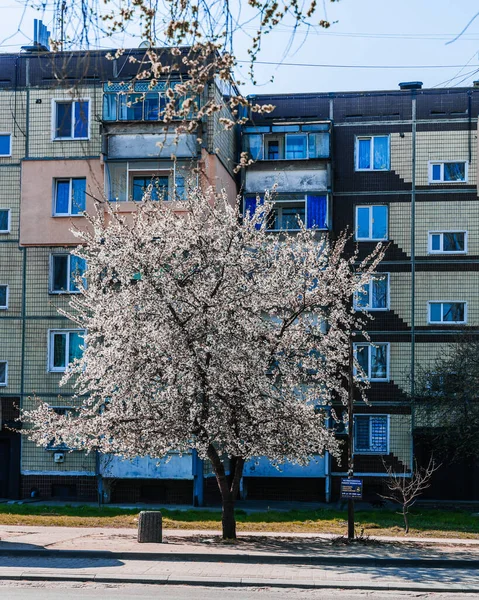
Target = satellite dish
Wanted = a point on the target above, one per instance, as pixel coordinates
(144, 44)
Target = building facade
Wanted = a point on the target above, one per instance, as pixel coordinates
(399, 167)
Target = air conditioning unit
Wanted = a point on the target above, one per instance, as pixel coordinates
(59, 457)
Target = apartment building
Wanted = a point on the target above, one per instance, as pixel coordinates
(398, 167)
(402, 171)
(77, 127)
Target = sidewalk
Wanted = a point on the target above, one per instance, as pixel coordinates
(200, 558)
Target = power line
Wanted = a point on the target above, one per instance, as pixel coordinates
(328, 66)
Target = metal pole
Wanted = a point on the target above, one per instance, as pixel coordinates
(350, 437)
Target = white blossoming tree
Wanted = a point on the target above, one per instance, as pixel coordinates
(205, 331)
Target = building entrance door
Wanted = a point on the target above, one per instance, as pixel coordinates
(4, 467)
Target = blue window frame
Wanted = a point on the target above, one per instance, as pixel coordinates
(447, 312)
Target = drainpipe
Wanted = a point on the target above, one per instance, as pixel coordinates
(413, 264)
(198, 479)
(327, 469)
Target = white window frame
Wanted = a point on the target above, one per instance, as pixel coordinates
(2, 134)
(7, 298)
(441, 322)
(370, 283)
(51, 334)
(5, 383)
(56, 101)
(441, 163)
(388, 434)
(370, 238)
(371, 138)
(9, 220)
(70, 197)
(369, 345)
(52, 273)
(442, 232)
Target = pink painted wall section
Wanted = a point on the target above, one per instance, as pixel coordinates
(216, 175)
(38, 226)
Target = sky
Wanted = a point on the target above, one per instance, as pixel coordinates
(371, 45)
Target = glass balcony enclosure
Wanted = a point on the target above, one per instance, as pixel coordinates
(288, 142)
(139, 101)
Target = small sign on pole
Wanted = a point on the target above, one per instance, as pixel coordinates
(351, 489)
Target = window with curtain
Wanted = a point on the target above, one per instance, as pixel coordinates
(3, 296)
(448, 171)
(372, 153)
(3, 373)
(70, 197)
(65, 268)
(373, 358)
(374, 295)
(64, 347)
(4, 220)
(447, 312)
(287, 213)
(371, 223)
(443, 242)
(371, 434)
(71, 119)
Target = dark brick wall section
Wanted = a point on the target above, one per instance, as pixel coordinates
(59, 487)
(162, 491)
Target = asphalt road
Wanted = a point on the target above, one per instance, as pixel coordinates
(86, 591)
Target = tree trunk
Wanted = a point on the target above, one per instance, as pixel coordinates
(228, 493)
(406, 520)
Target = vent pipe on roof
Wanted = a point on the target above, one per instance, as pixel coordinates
(410, 85)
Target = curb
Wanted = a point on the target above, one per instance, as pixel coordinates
(366, 561)
(245, 582)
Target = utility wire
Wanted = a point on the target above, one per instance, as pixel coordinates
(329, 66)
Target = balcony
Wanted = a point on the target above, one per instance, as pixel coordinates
(292, 142)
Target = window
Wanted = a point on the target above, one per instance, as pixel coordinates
(64, 347)
(371, 434)
(447, 242)
(70, 119)
(5, 144)
(373, 360)
(59, 445)
(65, 268)
(3, 296)
(442, 384)
(444, 172)
(156, 185)
(372, 153)
(371, 223)
(3, 373)
(4, 220)
(70, 197)
(374, 295)
(296, 146)
(447, 312)
(287, 213)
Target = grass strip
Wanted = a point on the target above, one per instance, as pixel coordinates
(424, 522)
